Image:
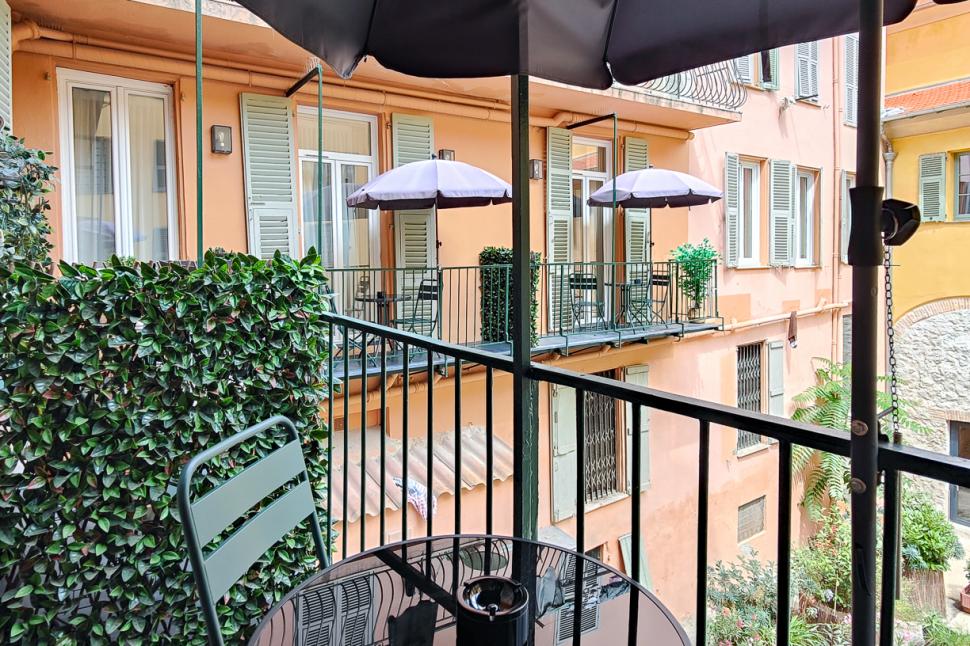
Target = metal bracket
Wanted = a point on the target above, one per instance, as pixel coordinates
(865, 239)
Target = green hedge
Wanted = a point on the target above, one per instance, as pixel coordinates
(498, 311)
(110, 379)
(25, 177)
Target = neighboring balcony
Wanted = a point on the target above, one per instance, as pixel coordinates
(575, 305)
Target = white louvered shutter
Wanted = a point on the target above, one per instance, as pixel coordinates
(744, 69)
(845, 225)
(637, 375)
(780, 198)
(806, 70)
(932, 187)
(775, 82)
(636, 221)
(6, 67)
(851, 75)
(626, 550)
(846, 338)
(563, 452)
(590, 610)
(559, 224)
(776, 378)
(732, 200)
(270, 174)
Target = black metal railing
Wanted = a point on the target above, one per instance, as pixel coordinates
(417, 388)
(713, 86)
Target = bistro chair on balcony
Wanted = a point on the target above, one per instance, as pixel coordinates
(206, 519)
(587, 305)
(659, 294)
(422, 318)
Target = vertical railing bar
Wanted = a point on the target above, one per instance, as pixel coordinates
(457, 445)
(703, 480)
(635, 533)
(890, 556)
(580, 470)
(343, 532)
(363, 440)
(784, 543)
(383, 417)
(330, 428)
(580, 571)
(405, 455)
(489, 454)
(430, 444)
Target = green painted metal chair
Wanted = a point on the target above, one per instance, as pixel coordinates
(209, 516)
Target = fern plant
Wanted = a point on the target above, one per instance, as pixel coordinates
(829, 403)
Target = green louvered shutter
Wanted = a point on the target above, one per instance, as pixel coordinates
(559, 223)
(732, 200)
(743, 69)
(775, 82)
(563, 452)
(776, 378)
(845, 224)
(626, 550)
(932, 187)
(636, 221)
(413, 140)
(851, 75)
(806, 70)
(6, 67)
(637, 375)
(270, 174)
(780, 198)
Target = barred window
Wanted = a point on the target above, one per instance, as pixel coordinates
(751, 519)
(750, 386)
(602, 474)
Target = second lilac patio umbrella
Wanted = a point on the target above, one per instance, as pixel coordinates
(436, 183)
(653, 188)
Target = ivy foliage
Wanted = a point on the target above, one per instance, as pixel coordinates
(498, 310)
(25, 179)
(110, 379)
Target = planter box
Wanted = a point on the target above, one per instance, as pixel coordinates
(965, 599)
(926, 590)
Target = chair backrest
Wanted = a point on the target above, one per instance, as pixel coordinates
(582, 282)
(660, 278)
(428, 290)
(209, 516)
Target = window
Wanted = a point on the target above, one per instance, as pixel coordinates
(848, 183)
(590, 170)
(806, 71)
(350, 237)
(754, 69)
(750, 386)
(960, 496)
(601, 468)
(805, 219)
(851, 76)
(751, 519)
(963, 186)
(749, 205)
(117, 139)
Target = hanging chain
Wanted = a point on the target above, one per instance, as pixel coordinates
(891, 342)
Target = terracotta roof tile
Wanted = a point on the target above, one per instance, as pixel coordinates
(931, 98)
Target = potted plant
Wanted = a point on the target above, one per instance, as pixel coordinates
(965, 592)
(695, 267)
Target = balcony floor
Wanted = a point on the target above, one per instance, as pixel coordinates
(550, 343)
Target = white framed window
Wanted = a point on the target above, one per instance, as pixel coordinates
(351, 237)
(805, 219)
(118, 168)
(749, 209)
(962, 164)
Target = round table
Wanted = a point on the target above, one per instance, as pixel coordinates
(404, 594)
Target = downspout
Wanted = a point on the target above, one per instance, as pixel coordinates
(838, 99)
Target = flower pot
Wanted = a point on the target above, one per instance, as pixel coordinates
(965, 599)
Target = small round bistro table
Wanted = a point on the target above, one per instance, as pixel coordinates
(405, 594)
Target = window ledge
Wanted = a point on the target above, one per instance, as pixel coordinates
(752, 450)
(608, 500)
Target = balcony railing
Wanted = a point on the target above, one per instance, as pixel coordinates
(576, 303)
(713, 86)
(420, 477)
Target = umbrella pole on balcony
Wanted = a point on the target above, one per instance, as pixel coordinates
(198, 131)
(316, 70)
(866, 256)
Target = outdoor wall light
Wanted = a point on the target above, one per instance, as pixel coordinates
(535, 169)
(222, 140)
(446, 154)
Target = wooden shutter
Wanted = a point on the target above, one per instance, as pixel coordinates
(932, 186)
(851, 75)
(781, 197)
(563, 452)
(6, 67)
(626, 550)
(806, 70)
(636, 221)
(270, 174)
(775, 82)
(732, 199)
(559, 223)
(637, 375)
(776, 378)
(743, 67)
(845, 225)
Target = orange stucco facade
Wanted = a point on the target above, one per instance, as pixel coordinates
(151, 41)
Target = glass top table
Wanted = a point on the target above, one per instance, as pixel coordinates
(405, 594)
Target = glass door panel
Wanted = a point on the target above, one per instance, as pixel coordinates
(356, 243)
(94, 191)
(310, 185)
(148, 172)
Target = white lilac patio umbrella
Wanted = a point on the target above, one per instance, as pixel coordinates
(434, 183)
(654, 188)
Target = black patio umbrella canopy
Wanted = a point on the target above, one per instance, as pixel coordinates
(580, 42)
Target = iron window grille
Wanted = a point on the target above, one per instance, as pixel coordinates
(600, 466)
(751, 519)
(750, 389)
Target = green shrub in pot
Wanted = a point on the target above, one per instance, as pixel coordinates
(696, 264)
